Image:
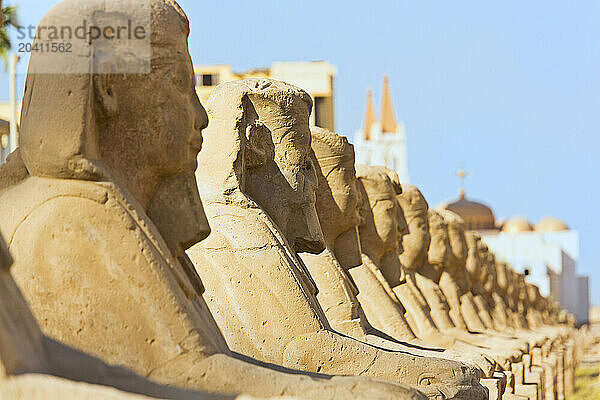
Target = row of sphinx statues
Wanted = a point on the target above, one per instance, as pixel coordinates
(157, 249)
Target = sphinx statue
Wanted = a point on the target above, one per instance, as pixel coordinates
(258, 184)
(484, 309)
(100, 202)
(33, 366)
(454, 280)
(379, 233)
(340, 282)
(490, 284)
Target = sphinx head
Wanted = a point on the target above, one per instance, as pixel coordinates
(474, 262)
(141, 130)
(256, 152)
(457, 238)
(415, 239)
(380, 215)
(85, 125)
(521, 284)
(488, 277)
(440, 252)
(338, 200)
(501, 277)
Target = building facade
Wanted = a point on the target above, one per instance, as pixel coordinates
(382, 141)
(316, 78)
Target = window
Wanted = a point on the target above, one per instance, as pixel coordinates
(319, 104)
(209, 79)
(526, 272)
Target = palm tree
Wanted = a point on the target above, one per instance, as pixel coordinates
(7, 19)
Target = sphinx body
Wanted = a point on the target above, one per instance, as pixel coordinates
(337, 203)
(97, 215)
(454, 280)
(258, 187)
(33, 366)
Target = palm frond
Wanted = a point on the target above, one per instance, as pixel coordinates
(10, 16)
(10, 20)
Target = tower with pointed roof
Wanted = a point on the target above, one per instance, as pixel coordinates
(382, 141)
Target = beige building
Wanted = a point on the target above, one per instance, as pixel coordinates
(316, 77)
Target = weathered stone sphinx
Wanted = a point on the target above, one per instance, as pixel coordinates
(33, 366)
(337, 205)
(454, 280)
(379, 235)
(258, 183)
(99, 205)
(484, 308)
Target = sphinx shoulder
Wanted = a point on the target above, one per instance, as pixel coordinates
(240, 228)
(44, 211)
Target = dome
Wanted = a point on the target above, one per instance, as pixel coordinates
(551, 224)
(477, 216)
(516, 225)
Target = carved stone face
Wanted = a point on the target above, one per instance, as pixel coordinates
(473, 262)
(482, 273)
(415, 239)
(155, 120)
(521, 287)
(343, 183)
(337, 195)
(489, 275)
(284, 182)
(501, 276)
(379, 232)
(458, 241)
(511, 283)
(440, 252)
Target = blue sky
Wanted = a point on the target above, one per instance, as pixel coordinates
(510, 90)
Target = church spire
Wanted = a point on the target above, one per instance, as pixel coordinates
(369, 115)
(388, 115)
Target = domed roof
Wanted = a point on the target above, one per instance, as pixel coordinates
(551, 224)
(477, 216)
(516, 224)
